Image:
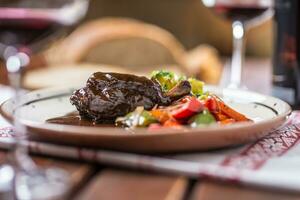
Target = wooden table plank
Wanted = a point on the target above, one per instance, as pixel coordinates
(79, 172)
(131, 185)
(217, 191)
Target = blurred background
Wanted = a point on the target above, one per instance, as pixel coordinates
(190, 22)
(138, 36)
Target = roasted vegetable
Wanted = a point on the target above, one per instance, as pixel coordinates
(227, 121)
(161, 115)
(188, 109)
(172, 124)
(204, 96)
(138, 118)
(204, 118)
(166, 79)
(220, 117)
(197, 86)
(181, 89)
(212, 105)
(187, 104)
(231, 113)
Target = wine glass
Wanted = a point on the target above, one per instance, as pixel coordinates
(27, 26)
(243, 14)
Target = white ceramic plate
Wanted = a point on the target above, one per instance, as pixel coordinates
(38, 106)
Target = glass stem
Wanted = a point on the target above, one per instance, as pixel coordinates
(20, 153)
(238, 32)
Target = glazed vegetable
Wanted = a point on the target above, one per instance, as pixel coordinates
(231, 113)
(212, 105)
(197, 86)
(138, 118)
(161, 115)
(204, 118)
(227, 121)
(204, 96)
(195, 108)
(172, 123)
(187, 109)
(180, 90)
(220, 117)
(166, 79)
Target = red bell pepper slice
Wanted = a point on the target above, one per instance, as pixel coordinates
(188, 109)
(212, 105)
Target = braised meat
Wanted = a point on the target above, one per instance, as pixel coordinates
(110, 95)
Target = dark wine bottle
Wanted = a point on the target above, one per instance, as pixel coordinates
(286, 72)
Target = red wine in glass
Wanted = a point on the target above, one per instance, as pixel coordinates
(29, 29)
(239, 12)
(243, 14)
(22, 33)
(242, 10)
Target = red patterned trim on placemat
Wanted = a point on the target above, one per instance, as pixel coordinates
(294, 118)
(274, 145)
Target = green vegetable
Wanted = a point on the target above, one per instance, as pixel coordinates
(138, 118)
(204, 95)
(204, 118)
(197, 86)
(166, 79)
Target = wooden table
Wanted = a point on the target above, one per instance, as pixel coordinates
(92, 181)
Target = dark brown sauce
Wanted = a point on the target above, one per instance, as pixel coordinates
(74, 118)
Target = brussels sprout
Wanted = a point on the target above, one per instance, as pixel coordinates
(166, 79)
(204, 95)
(197, 86)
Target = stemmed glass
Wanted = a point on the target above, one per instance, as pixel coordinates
(243, 14)
(27, 26)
